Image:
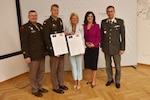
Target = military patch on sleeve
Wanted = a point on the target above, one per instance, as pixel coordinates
(22, 27)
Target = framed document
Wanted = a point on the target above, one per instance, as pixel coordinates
(76, 45)
(59, 44)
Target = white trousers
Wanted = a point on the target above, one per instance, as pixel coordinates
(76, 62)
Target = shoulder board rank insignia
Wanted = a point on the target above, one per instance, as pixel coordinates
(115, 21)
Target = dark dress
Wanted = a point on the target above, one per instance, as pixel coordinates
(91, 58)
(91, 54)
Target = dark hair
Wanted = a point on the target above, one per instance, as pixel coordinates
(31, 11)
(110, 7)
(86, 15)
(54, 5)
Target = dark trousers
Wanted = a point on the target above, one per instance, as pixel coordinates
(117, 59)
(57, 71)
(36, 74)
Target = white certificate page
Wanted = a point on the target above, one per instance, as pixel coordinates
(76, 45)
(59, 44)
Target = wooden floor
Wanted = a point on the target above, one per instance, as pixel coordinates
(135, 85)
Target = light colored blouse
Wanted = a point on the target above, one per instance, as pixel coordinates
(79, 29)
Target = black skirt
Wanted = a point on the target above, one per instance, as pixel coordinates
(91, 58)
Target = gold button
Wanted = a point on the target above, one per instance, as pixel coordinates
(109, 37)
(109, 33)
(109, 41)
(110, 29)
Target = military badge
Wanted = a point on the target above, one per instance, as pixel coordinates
(31, 28)
(107, 21)
(41, 28)
(54, 25)
(44, 23)
(116, 26)
(33, 31)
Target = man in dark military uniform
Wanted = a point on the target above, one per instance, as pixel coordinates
(54, 25)
(113, 44)
(33, 49)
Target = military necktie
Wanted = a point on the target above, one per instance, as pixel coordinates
(37, 27)
(110, 22)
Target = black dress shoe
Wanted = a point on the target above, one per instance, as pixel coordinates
(38, 94)
(43, 90)
(109, 82)
(63, 87)
(117, 85)
(58, 91)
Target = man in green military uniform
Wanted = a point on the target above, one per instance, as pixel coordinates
(113, 44)
(33, 49)
(54, 25)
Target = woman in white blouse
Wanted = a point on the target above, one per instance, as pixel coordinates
(76, 61)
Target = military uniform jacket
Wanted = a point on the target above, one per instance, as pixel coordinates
(113, 36)
(51, 26)
(32, 42)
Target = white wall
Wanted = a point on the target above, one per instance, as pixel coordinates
(9, 32)
(12, 67)
(10, 42)
(143, 29)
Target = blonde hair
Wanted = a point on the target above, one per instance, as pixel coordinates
(72, 15)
